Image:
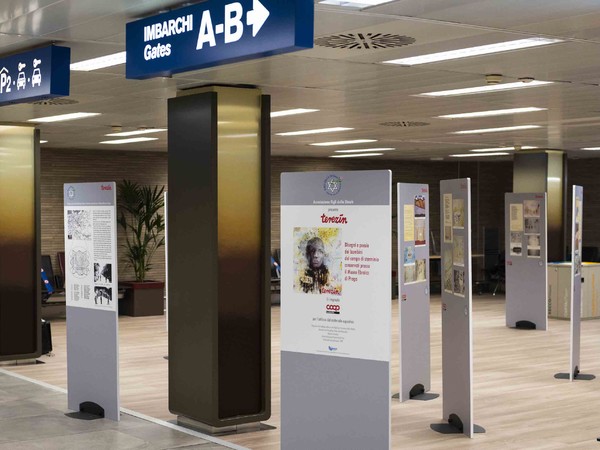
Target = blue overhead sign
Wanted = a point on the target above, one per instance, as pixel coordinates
(35, 75)
(217, 32)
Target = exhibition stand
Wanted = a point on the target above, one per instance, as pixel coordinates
(575, 291)
(91, 294)
(335, 310)
(526, 261)
(413, 267)
(457, 332)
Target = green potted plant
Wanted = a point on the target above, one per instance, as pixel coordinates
(144, 225)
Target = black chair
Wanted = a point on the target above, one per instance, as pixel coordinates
(589, 254)
(56, 282)
(497, 273)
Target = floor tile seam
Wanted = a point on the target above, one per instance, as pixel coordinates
(134, 414)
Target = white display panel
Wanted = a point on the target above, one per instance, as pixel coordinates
(413, 269)
(576, 258)
(91, 246)
(457, 328)
(329, 306)
(526, 260)
(336, 310)
(91, 291)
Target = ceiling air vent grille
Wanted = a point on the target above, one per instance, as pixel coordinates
(404, 124)
(59, 101)
(364, 41)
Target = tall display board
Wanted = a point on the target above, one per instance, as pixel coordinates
(457, 335)
(526, 260)
(91, 293)
(413, 267)
(576, 246)
(335, 310)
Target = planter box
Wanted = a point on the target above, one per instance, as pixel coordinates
(142, 299)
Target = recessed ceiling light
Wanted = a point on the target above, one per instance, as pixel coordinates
(501, 149)
(129, 141)
(317, 131)
(137, 132)
(487, 88)
(43, 142)
(292, 112)
(356, 155)
(479, 155)
(436, 159)
(100, 62)
(64, 117)
(496, 130)
(355, 141)
(497, 112)
(358, 150)
(591, 148)
(474, 51)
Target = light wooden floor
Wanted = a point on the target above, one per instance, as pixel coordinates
(516, 397)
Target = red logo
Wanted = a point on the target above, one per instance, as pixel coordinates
(105, 188)
(333, 219)
(332, 309)
(424, 190)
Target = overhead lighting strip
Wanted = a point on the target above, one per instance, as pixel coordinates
(491, 113)
(501, 149)
(497, 130)
(486, 89)
(137, 132)
(479, 155)
(63, 117)
(480, 50)
(317, 131)
(355, 141)
(100, 63)
(292, 112)
(356, 155)
(129, 141)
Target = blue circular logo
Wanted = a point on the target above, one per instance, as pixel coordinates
(333, 184)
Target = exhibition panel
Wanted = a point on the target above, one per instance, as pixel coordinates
(335, 309)
(457, 329)
(91, 286)
(576, 279)
(20, 304)
(219, 237)
(413, 269)
(525, 242)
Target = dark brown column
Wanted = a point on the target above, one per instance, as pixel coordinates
(545, 171)
(219, 256)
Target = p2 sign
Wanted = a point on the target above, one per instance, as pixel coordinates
(35, 75)
(217, 32)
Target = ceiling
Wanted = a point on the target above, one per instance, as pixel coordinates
(350, 86)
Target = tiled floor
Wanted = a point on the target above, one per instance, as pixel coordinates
(33, 417)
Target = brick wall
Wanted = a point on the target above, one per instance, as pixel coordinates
(489, 183)
(75, 166)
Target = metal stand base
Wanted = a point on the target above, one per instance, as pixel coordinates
(576, 375)
(221, 431)
(525, 325)
(454, 426)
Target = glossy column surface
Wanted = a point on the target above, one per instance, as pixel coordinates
(545, 171)
(19, 251)
(219, 361)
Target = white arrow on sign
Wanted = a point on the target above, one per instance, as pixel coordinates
(257, 17)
